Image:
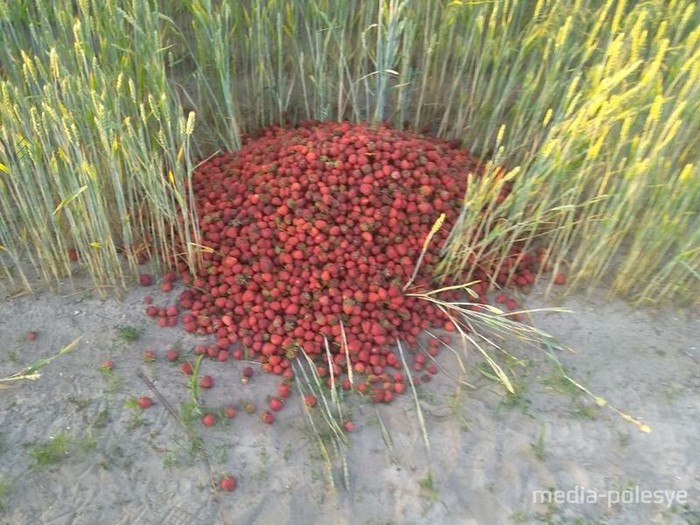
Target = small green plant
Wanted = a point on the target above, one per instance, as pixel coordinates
(428, 486)
(80, 403)
(52, 451)
(128, 333)
(538, 448)
(585, 412)
(5, 487)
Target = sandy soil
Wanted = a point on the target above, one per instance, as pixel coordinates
(488, 452)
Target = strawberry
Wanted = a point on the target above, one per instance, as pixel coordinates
(228, 483)
(148, 356)
(209, 420)
(145, 279)
(284, 390)
(310, 400)
(172, 355)
(144, 402)
(31, 336)
(276, 404)
(206, 381)
(230, 412)
(186, 368)
(267, 417)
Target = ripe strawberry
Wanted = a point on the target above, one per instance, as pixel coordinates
(310, 400)
(206, 381)
(228, 483)
(209, 420)
(560, 279)
(276, 404)
(230, 412)
(172, 355)
(144, 402)
(349, 426)
(31, 336)
(145, 279)
(186, 368)
(284, 390)
(267, 417)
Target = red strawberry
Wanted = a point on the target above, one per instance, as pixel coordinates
(560, 279)
(186, 368)
(144, 402)
(276, 404)
(284, 390)
(172, 355)
(267, 417)
(206, 381)
(145, 279)
(31, 336)
(310, 400)
(209, 420)
(230, 412)
(349, 426)
(228, 483)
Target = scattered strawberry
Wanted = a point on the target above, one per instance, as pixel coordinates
(145, 279)
(32, 335)
(228, 483)
(349, 426)
(209, 420)
(560, 279)
(186, 368)
(310, 400)
(206, 381)
(267, 417)
(284, 390)
(230, 412)
(276, 404)
(144, 402)
(172, 355)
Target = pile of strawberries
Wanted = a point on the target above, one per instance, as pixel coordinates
(310, 235)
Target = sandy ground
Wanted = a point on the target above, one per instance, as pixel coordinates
(489, 453)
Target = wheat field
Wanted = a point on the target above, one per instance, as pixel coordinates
(590, 108)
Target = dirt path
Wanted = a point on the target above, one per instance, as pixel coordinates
(74, 449)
